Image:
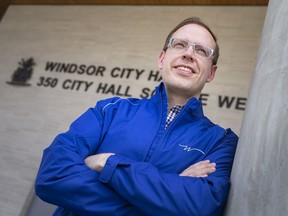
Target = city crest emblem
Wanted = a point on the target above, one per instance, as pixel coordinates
(23, 73)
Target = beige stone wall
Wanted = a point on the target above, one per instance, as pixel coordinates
(112, 46)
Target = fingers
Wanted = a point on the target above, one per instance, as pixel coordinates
(200, 169)
(98, 161)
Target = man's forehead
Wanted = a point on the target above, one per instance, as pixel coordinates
(195, 33)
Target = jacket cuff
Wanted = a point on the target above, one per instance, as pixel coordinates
(110, 167)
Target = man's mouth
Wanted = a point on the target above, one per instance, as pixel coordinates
(185, 69)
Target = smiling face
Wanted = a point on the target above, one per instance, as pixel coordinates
(185, 73)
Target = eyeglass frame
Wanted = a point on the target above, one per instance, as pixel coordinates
(192, 45)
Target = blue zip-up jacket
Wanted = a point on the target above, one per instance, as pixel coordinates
(142, 178)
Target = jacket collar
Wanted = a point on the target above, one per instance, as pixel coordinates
(193, 107)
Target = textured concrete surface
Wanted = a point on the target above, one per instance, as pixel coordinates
(260, 173)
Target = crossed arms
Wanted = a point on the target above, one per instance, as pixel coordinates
(108, 184)
(201, 169)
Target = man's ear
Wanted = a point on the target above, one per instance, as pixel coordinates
(160, 59)
(212, 73)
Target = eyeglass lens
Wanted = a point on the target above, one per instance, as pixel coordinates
(183, 45)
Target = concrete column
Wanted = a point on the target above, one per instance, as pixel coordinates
(260, 171)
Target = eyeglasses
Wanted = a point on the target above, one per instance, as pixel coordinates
(183, 45)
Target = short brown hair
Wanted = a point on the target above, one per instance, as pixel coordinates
(198, 21)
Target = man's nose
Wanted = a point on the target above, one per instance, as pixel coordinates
(189, 53)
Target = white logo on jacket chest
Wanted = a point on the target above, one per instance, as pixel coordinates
(188, 148)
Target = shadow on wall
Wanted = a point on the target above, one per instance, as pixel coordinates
(38, 207)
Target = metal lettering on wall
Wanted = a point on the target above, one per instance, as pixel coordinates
(51, 80)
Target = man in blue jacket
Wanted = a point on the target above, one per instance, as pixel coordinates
(148, 157)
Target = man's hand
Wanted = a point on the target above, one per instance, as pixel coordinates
(98, 161)
(200, 169)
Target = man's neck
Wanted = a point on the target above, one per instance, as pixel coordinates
(177, 99)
